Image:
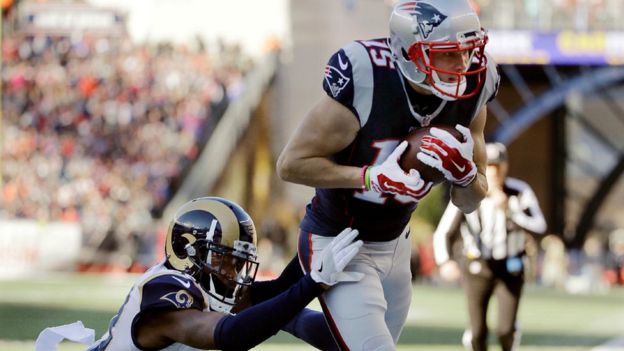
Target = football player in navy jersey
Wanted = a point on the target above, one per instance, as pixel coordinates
(432, 70)
(187, 301)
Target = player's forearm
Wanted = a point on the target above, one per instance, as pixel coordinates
(318, 172)
(263, 290)
(468, 199)
(252, 326)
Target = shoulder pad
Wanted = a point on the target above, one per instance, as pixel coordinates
(492, 80)
(171, 291)
(349, 79)
(490, 86)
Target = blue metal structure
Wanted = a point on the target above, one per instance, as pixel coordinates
(512, 125)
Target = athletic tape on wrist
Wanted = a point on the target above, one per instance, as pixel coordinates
(363, 174)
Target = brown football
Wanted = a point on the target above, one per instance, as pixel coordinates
(410, 161)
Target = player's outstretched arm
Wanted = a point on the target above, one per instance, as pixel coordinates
(210, 330)
(261, 291)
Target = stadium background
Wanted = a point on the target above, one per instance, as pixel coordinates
(116, 112)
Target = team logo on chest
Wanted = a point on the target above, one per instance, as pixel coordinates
(335, 79)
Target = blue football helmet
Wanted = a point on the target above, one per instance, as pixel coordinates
(214, 240)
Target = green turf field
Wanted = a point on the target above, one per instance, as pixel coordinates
(551, 320)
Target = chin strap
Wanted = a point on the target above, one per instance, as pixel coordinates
(441, 89)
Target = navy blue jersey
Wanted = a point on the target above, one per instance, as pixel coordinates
(362, 77)
(171, 292)
(158, 289)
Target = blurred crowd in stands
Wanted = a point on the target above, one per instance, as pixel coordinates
(101, 131)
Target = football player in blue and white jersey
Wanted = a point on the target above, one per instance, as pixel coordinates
(432, 70)
(188, 301)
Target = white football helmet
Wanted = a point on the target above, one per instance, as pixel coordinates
(419, 29)
(214, 240)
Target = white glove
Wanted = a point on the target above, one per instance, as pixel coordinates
(452, 157)
(336, 256)
(389, 177)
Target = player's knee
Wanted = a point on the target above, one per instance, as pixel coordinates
(379, 343)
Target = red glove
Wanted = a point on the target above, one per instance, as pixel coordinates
(389, 177)
(452, 157)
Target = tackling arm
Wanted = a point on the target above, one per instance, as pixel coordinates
(210, 330)
(263, 290)
(467, 198)
(158, 328)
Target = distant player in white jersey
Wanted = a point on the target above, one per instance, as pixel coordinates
(493, 250)
(432, 70)
(193, 299)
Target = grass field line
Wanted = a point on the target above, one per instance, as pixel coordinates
(552, 320)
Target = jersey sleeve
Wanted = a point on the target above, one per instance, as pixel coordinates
(348, 79)
(491, 85)
(494, 77)
(338, 79)
(171, 292)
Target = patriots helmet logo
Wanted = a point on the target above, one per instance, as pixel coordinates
(335, 79)
(181, 299)
(427, 17)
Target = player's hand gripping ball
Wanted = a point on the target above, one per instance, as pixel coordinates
(410, 161)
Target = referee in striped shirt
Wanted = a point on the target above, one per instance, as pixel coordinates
(493, 250)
